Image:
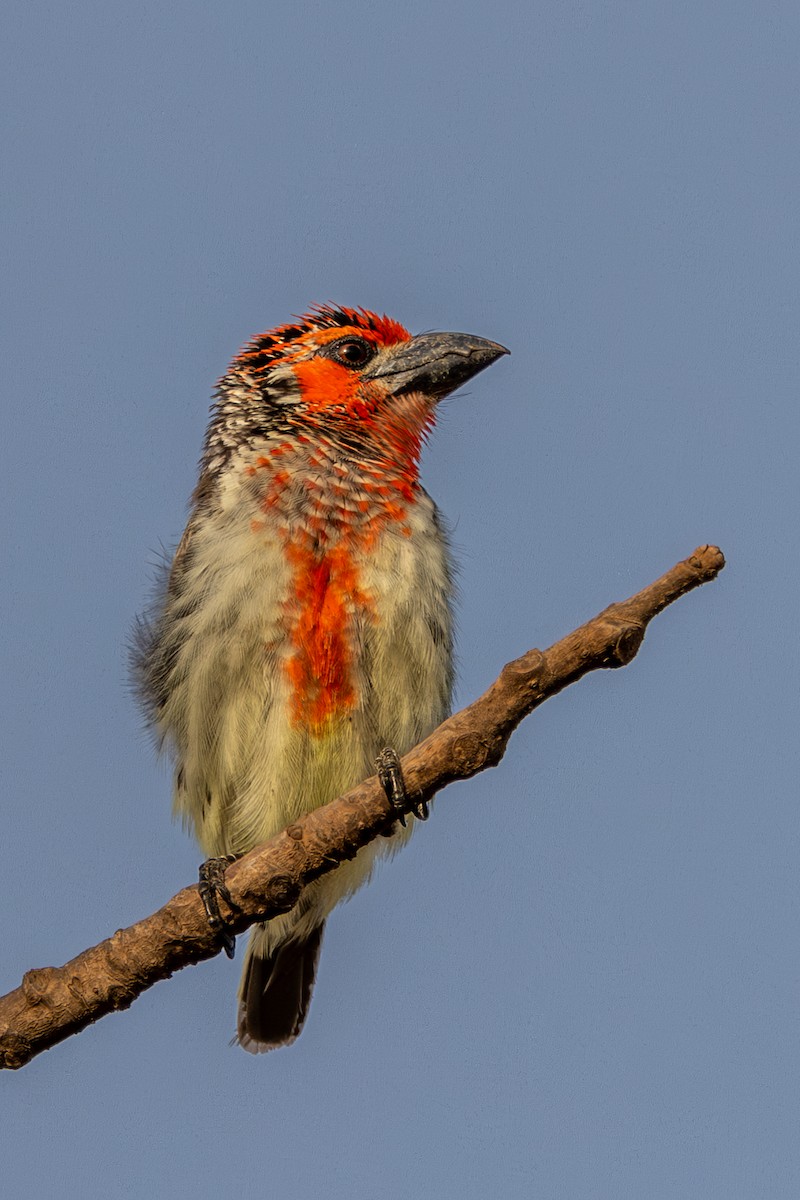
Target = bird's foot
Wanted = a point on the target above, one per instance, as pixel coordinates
(390, 773)
(212, 888)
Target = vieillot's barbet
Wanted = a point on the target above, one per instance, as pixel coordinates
(305, 625)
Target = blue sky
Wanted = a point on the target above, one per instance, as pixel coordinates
(582, 978)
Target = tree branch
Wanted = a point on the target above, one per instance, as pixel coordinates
(54, 1002)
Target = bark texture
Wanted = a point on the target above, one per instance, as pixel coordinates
(53, 1002)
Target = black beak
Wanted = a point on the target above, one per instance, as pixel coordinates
(433, 363)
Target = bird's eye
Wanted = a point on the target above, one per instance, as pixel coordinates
(352, 352)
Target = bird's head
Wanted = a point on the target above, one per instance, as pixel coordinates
(346, 374)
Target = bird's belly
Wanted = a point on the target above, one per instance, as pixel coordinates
(295, 683)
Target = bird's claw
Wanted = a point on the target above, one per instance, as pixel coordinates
(390, 773)
(212, 887)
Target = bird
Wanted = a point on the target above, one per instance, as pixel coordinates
(305, 623)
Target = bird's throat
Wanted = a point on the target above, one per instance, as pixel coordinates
(330, 515)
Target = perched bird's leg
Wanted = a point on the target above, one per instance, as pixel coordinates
(211, 887)
(390, 773)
